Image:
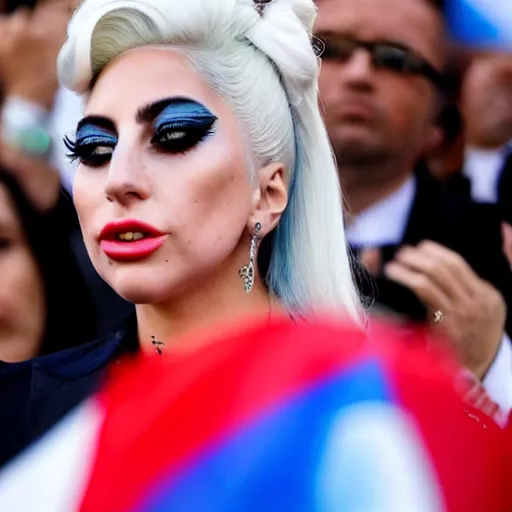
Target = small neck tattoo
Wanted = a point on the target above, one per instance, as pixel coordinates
(158, 345)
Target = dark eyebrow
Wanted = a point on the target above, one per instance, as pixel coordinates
(145, 114)
(148, 113)
(330, 34)
(100, 121)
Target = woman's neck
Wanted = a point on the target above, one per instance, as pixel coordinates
(205, 310)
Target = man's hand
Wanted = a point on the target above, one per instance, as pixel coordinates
(28, 51)
(474, 311)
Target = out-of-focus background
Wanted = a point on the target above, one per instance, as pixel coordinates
(421, 125)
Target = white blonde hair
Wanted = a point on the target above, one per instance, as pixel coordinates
(265, 66)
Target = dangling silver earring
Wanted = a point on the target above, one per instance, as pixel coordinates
(247, 271)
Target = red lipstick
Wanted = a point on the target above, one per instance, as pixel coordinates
(130, 240)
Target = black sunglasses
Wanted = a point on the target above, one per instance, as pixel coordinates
(390, 56)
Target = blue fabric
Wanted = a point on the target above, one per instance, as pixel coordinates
(281, 449)
(470, 24)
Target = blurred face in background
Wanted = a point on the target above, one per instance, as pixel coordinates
(22, 302)
(373, 111)
(487, 100)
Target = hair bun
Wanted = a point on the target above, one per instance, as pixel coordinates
(280, 29)
(283, 34)
(302, 9)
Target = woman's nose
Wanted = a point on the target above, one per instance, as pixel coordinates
(127, 180)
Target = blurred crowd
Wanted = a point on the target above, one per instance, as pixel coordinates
(421, 130)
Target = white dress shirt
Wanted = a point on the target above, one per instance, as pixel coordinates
(482, 167)
(384, 223)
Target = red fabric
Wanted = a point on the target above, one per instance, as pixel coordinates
(188, 400)
(203, 394)
(466, 447)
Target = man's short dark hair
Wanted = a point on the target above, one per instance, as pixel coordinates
(438, 4)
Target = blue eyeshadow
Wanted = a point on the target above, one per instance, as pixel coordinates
(91, 132)
(185, 113)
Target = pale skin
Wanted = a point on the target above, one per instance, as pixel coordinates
(201, 198)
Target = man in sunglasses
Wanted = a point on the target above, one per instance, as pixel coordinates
(434, 257)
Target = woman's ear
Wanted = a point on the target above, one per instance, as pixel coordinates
(270, 197)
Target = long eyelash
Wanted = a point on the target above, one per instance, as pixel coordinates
(72, 147)
(79, 151)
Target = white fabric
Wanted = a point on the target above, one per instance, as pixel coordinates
(482, 168)
(51, 475)
(384, 222)
(376, 461)
(498, 381)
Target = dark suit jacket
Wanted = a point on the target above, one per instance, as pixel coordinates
(505, 190)
(36, 394)
(473, 230)
(459, 184)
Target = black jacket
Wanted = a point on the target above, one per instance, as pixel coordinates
(453, 220)
(460, 184)
(36, 394)
(505, 190)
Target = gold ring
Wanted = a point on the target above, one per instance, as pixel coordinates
(438, 316)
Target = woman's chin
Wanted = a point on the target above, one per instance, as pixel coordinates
(138, 297)
(142, 291)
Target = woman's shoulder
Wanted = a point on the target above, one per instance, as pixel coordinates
(39, 392)
(77, 361)
(80, 360)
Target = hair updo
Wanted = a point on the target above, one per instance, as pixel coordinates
(264, 65)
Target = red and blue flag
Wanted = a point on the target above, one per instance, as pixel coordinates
(286, 417)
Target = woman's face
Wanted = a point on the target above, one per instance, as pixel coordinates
(162, 187)
(22, 300)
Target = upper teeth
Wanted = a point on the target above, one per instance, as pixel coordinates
(131, 235)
